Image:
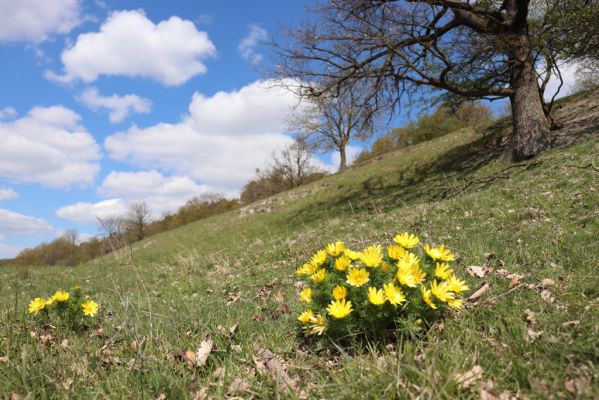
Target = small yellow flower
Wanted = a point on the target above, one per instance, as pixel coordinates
(442, 291)
(339, 308)
(319, 258)
(339, 292)
(405, 277)
(427, 296)
(306, 270)
(306, 316)
(442, 271)
(306, 295)
(357, 276)
(406, 240)
(36, 305)
(319, 275)
(61, 296)
(353, 255)
(335, 249)
(418, 274)
(409, 272)
(49, 301)
(385, 267)
(376, 297)
(456, 304)
(439, 253)
(342, 263)
(394, 294)
(456, 284)
(90, 308)
(318, 325)
(395, 252)
(372, 256)
(408, 260)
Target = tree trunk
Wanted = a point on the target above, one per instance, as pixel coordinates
(342, 159)
(531, 127)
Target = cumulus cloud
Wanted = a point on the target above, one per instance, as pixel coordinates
(129, 44)
(161, 193)
(7, 113)
(48, 146)
(15, 224)
(118, 107)
(88, 213)
(7, 193)
(247, 46)
(36, 20)
(220, 142)
(9, 250)
(568, 72)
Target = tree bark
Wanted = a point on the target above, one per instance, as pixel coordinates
(530, 125)
(342, 159)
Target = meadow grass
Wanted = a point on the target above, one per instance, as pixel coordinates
(534, 333)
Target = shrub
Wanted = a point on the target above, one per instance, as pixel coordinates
(374, 292)
(70, 309)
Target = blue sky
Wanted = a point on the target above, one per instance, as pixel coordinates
(106, 103)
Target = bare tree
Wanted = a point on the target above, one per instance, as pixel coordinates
(293, 165)
(331, 122)
(137, 219)
(487, 49)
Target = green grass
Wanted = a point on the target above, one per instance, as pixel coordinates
(538, 220)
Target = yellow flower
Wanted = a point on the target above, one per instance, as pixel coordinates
(318, 325)
(90, 308)
(339, 292)
(319, 275)
(376, 297)
(393, 294)
(405, 277)
(409, 272)
(319, 258)
(406, 240)
(335, 249)
(61, 296)
(418, 274)
(442, 271)
(306, 316)
(306, 295)
(427, 296)
(439, 253)
(36, 305)
(342, 263)
(385, 267)
(408, 260)
(442, 291)
(50, 301)
(357, 276)
(353, 255)
(395, 252)
(306, 269)
(372, 256)
(339, 308)
(456, 285)
(455, 303)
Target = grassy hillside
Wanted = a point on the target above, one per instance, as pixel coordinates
(535, 332)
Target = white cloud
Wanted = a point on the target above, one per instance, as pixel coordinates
(247, 46)
(129, 44)
(7, 113)
(568, 72)
(219, 143)
(9, 250)
(7, 193)
(15, 224)
(351, 152)
(119, 107)
(35, 20)
(87, 213)
(48, 146)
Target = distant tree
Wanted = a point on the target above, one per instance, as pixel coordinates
(137, 219)
(587, 76)
(330, 122)
(293, 165)
(472, 48)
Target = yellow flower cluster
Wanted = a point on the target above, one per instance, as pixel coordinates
(373, 287)
(62, 300)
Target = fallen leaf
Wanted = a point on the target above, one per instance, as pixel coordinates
(547, 283)
(571, 323)
(67, 384)
(279, 298)
(284, 309)
(15, 396)
(233, 297)
(266, 361)
(258, 317)
(530, 317)
(46, 339)
(515, 281)
(161, 397)
(570, 386)
(64, 345)
(4, 359)
(468, 379)
(474, 296)
(547, 296)
(233, 330)
(202, 394)
(539, 386)
(239, 385)
(477, 271)
(190, 357)
(219, 373)
(532, 336)
(203, 352)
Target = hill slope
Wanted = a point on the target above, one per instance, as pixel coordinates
(534, 334)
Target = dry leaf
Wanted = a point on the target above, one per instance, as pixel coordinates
(468, 379)
(161, 397)
(15, 396)
(4, 359)
(190, 357)
(547, 296)
(530, 317)
(547, 283)
(268, 362)
(233, 330)
(64, 345)
(571, 323)
(474, 296)
(239, 385)
(532, 336)
(202, 394)
(515, 281)
(477, 271)
(67, 384)
(203, 352)
(539, 386)
(279, 298)
(283, 309)
(46, 339)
